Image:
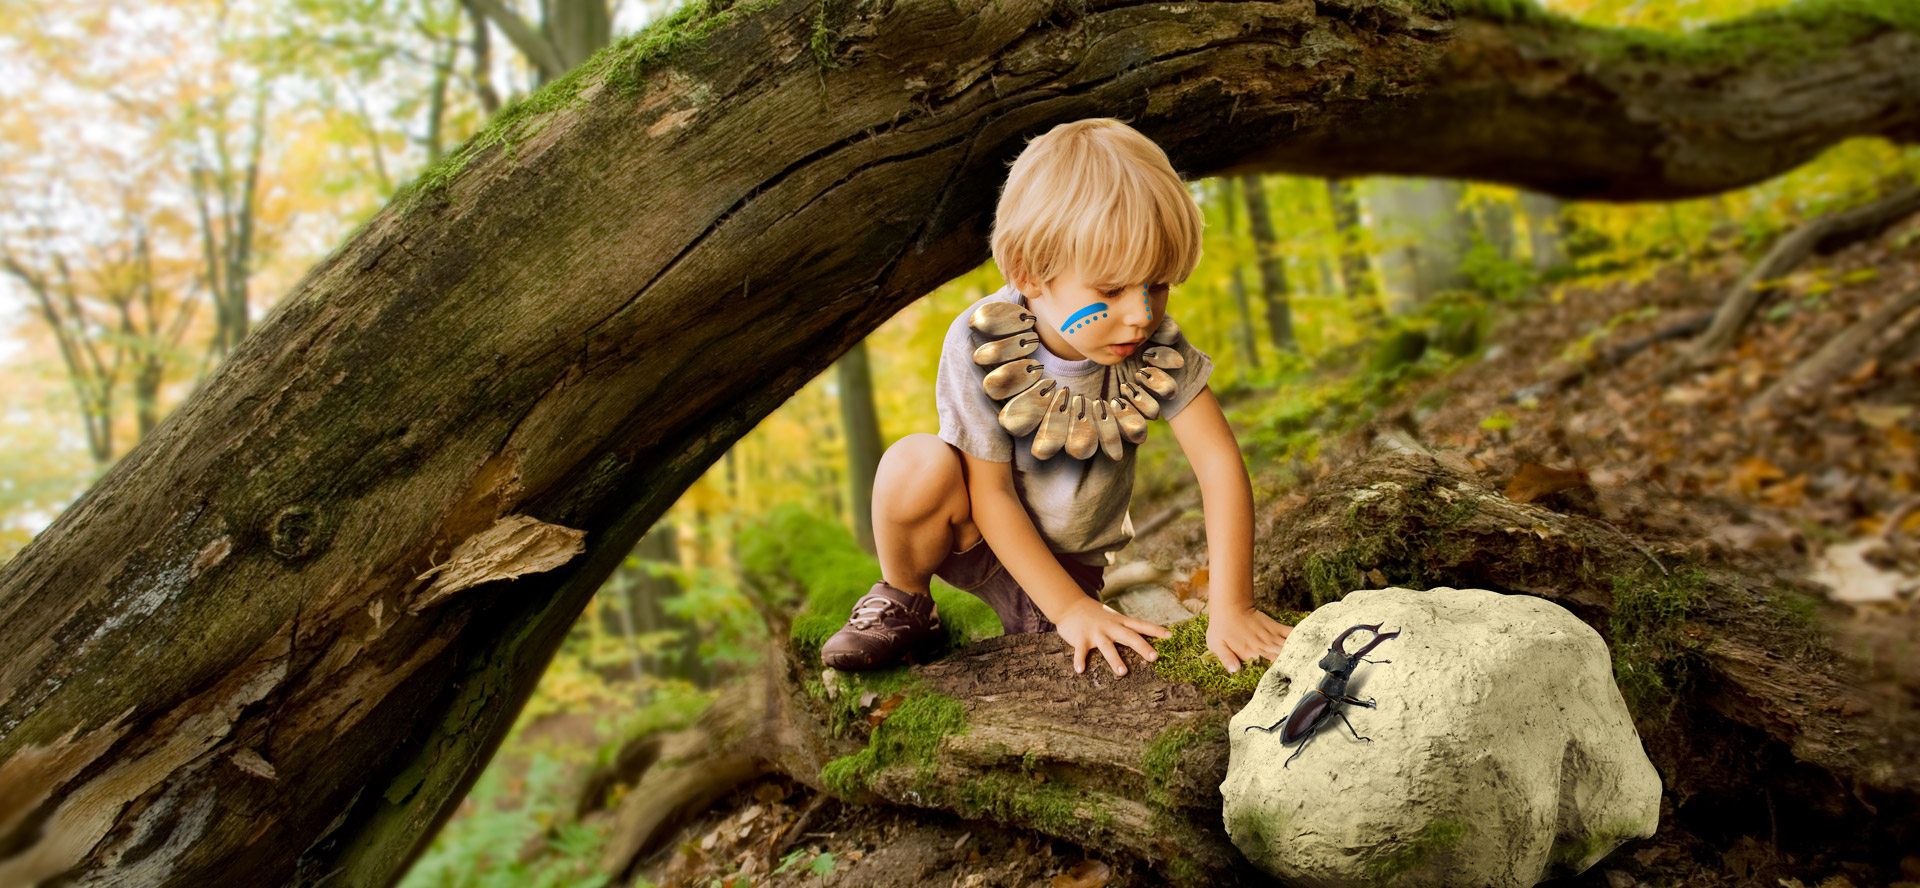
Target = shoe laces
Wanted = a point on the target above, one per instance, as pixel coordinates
(871, 608)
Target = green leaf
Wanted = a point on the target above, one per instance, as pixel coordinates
(823, 864)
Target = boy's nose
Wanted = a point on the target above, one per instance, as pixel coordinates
(1134, 310)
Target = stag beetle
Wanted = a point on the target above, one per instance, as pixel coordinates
(1317, 704)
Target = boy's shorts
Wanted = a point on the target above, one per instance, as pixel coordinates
(979, 572)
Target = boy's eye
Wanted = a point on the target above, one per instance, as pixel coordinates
(1157, 290)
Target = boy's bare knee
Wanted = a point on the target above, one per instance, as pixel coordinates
(919, 476)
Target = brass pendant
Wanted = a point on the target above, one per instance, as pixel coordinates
(1107, 429)
(1082, 439)
(1001, 351)
(1053, 429)
(1157, 381)
(1142, 401)
(1164, 357)
(1012, 378)
(1133, 426)
(1023, 414)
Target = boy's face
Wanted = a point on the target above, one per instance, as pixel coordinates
(1077, 321)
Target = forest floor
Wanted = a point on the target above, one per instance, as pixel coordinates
(1802, 494)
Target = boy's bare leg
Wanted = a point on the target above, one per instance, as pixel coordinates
(920, 510)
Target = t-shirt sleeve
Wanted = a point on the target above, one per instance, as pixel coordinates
(1190, 379)
(969, 419)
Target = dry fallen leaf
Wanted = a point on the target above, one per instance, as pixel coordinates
(1752, 473)
(1194, 586)
(1085, 874)
(886, 708)
(1534, 481)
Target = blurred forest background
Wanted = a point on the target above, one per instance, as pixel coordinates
(169, 168)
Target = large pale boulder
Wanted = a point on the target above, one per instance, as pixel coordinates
(1502, 753)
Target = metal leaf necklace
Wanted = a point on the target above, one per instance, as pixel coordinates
(1065, 421)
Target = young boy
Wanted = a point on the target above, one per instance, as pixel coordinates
(1023, 504)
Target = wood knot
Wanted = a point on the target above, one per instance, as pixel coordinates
(295, 533)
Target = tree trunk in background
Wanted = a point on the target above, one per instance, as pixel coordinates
(279, 639)
(862, 424)
(1494, 220)
(1424, 236)
(1243, 336)
(1273, 273)
(1544, 230)
(577, 28)
(1356, 272)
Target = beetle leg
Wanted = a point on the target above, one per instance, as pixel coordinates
(1369, 703)
(1343, 717)
(1296, 753)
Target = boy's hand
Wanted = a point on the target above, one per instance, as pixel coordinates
(1091, 624)
(1242, 634)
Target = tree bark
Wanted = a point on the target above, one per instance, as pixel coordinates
(240, 657)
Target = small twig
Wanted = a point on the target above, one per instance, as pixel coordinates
(1636, 544)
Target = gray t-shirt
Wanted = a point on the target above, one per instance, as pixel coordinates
(1078, 505)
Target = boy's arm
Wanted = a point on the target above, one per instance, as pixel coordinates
(1009, 531)
(1236, 631)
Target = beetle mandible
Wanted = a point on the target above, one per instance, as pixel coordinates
(1316, 705)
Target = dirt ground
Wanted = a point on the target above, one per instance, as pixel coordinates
(1674, 459)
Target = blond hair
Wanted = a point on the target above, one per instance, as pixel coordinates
(1096, 197)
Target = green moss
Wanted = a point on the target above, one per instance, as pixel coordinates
(1425, 851)
(1184, 872)
(1787, 33)
(911, 736)
(1183, 656)
(1573, 858)
(1649, 651)
(1162, 758)
(1052, 807)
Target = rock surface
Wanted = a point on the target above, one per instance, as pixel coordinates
(1502, 753)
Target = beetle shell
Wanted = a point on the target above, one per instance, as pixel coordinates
(996, 319)
(1133, 426)
(1011, 379)
(1306, 713)
(1168, 331)
(1157, 381)
(1082, 438)
(1054, 427)
(1108, 430)
(1001, 351)
(1164, 357)
(1023, 414)
(1142, 401)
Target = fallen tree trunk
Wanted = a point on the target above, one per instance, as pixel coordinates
(1735, 701)
(277, 642)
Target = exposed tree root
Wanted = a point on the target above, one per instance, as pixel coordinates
(1823, 235)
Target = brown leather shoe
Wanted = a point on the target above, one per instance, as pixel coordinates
(885, 624)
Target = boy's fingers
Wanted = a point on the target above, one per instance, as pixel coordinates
(1145, 628)
(1141, 647)
(1113, 657)
(1227, 658)
(1079, 658)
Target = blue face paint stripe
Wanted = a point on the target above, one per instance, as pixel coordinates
(1078, 316)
